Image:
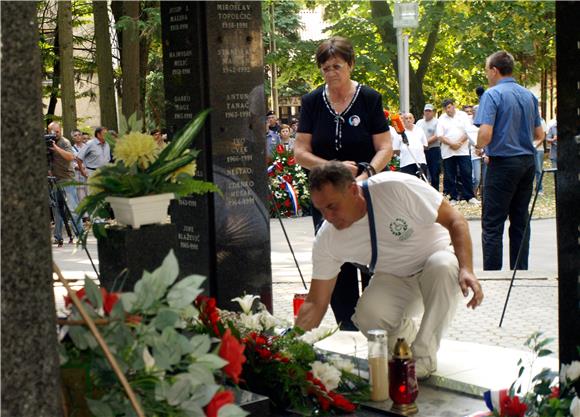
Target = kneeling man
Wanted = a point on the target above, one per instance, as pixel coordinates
(416, 268)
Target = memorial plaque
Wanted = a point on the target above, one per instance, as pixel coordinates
(213, 58)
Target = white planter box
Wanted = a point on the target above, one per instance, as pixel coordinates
(139, 211)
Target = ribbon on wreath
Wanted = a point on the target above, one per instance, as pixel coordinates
(292, 196)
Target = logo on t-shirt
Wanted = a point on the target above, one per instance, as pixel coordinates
(354, 120)
(400, 229)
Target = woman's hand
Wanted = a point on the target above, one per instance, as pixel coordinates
(352, 166)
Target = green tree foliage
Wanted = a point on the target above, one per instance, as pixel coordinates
(83, 47)
(447, 50)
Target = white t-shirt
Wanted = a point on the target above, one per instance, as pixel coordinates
(453, 128)
(405, 209)
(472, 132)
(430, 128)
(417, 144)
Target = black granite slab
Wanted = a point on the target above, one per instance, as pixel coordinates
(213, 58)
(567, 177)
(125, 253)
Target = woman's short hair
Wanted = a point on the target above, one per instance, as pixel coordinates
(335, 47)
(284, 126)
(331, 172)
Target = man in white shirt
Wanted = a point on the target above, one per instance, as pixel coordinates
(412, 153)
(433, 153)
(416, 269)
(95, 154)
(452, 132)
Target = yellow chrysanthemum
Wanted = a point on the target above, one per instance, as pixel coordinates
(137, 149)
(188, 169)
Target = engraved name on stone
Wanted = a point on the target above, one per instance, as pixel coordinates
(234, 15)
(237, 106)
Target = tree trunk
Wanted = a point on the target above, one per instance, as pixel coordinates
(104, 59)
(55, 81)
(65, 38)
(381, 13)
(130, 58)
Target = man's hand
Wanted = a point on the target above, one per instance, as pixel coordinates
(467, 279)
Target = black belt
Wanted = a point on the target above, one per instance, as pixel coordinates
(92, 169)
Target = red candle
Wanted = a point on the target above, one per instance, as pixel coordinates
(297, 303)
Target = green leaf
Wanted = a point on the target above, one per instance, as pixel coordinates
(544, 352)
(212, 361)
(203, 394)
(184, 292)
(231, 410)
(166, 349)
(93, 294)
(200, 374)
(192, 409)
(180, 390)
(168, 271)
(129, 299)
(201, 344)
(149, 290)
(165, 318)
(99, 408)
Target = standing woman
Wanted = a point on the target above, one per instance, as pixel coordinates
(342, 120)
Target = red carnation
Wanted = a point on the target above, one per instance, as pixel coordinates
(280, 149)
(393, 168)
(291, 161)
(287, 203)
(279, 166)
(555, 392)
(109, 300)
(339, 401)
(513, 407)
(232, 351)
(218, 401)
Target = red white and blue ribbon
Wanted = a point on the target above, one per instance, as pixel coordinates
(495, 399)
(291, 194)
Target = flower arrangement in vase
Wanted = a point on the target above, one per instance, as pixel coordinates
(141, 168)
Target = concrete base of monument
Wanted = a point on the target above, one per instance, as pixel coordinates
(464, 372)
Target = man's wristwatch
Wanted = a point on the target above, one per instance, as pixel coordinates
(365, 167)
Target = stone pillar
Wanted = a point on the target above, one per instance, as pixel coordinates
(212, 56)
(30, 365)
(568, 177)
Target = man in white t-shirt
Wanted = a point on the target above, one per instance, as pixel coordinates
(451, 131)
(412, 153)
(433, 153)
(416, 269)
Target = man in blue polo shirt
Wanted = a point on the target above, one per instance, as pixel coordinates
(509, 122)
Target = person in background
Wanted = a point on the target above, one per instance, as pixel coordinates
(344, 121)
(412, 153)
(539, 161)
(476, 154)
(451, 131)
(293, 128)
(552, 139)
(509, 122)
(77, 145)
(63, 171)
(96, 154)
(285, 137)
(158, 136)
(433, 153)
